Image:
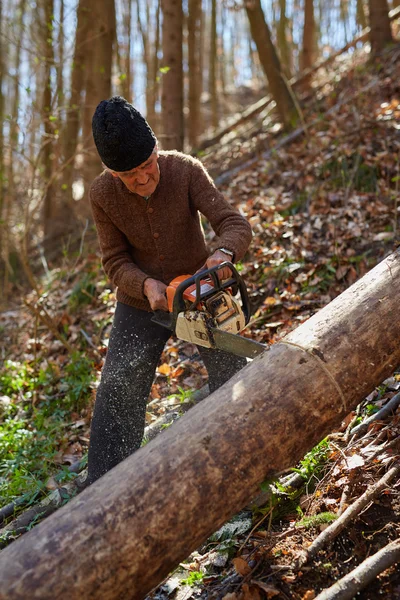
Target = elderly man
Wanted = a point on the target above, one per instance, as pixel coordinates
(146, 205)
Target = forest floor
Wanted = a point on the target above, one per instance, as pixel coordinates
(324, 210)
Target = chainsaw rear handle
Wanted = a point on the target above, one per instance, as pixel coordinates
(235, 282)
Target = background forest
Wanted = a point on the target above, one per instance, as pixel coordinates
(294, 108)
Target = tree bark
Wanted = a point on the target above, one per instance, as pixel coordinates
(360, 14)
(307, 52)
(212, 71)
(379, 22)
(172, 81)
(97, 85)
(270, 62)
(121, 536)
(283, 45)
(48, 126)
(194, 71)
(83, 39)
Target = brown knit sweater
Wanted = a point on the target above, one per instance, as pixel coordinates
(162, 237)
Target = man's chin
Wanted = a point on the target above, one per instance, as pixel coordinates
(143, 190)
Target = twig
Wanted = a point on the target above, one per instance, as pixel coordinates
(48, 321)
(350, 513)
(38, 512)
(384, 412)
(347, 587)
(89, 341)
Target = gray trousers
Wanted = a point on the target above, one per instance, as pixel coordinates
(134, 351)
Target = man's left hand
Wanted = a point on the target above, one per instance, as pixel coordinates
(216, 259)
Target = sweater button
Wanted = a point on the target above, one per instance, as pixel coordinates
(162, 257)
(150, 210)
(156, 235)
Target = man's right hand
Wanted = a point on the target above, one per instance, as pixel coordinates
(155, 291)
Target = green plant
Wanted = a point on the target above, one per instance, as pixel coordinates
(31, 434)
(314, 461)
(316, 520)
(194, 578)
(82, 292)
(77, 380)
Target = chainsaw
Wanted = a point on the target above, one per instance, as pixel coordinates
(209, 312)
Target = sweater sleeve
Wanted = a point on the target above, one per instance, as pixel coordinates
(233, 230)
(116, 258)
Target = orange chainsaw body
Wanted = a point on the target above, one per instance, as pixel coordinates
(189, 294)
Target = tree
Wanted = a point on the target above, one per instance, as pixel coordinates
(172, 80)
(212, 71)
(270, 62)
(98, 81)
(360, 14)
(307, 51)
(194, 24)
(74, 107)
(379, 22)
(47, 103)
(151, 46)
(283, 45)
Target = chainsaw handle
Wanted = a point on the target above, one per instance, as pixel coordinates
(235, 281)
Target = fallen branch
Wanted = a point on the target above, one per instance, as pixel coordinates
(40, 511)
(9, 510)
(349, 514)
(389, 409)
(347, 587)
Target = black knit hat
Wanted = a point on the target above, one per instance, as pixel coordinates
(123, 138)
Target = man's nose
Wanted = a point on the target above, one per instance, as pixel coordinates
(142, 177)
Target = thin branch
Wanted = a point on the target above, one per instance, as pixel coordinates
(347, 587)
(349, 514)
(384, 412)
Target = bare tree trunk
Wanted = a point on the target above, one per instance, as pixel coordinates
(155, 78)
(4, 267)
(307, 51)
(97, 84)
(379, 22)
(194, 68)
(222, 55)
(283, 46)
(83, 40)
(172, 81)
(126, 61)
(121, 536)
(360, 14)
(212, 77)
(48, 139)
(270, 62)
(60, 65)
(308, 48)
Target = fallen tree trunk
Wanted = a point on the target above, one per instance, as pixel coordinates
(121, 536)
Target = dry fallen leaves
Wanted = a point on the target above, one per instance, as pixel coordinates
(241, 566)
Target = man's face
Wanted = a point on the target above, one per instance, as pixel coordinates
(144, 179)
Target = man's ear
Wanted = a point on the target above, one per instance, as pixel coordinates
(113, 174)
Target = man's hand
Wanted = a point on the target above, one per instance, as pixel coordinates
(216, 259)
(155, 291)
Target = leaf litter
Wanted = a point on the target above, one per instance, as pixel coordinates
(324, 210)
